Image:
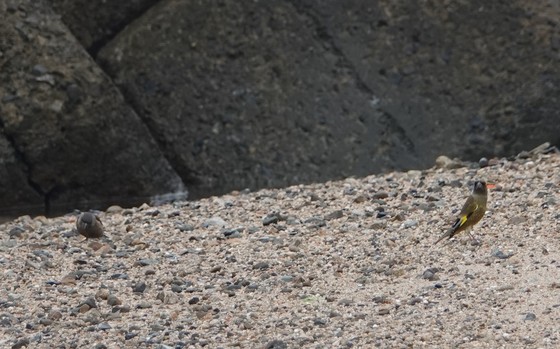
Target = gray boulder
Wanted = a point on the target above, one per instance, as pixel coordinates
(79, 144)
(248, 94)
(271, 93)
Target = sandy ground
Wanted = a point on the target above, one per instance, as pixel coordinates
(348, 264)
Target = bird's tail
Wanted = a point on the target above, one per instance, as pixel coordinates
(448, 234)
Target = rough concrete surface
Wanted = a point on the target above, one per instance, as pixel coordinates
(334, 265)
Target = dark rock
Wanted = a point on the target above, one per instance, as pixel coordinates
(24, 342)
(139, 287)
(334, 215)
(16, 231)
(146, 261)
(429, 274)
(319, 322)
(113, 300)
(80, 147)
(93, 23)
(261, 265)
(315, 222)
(227, 146)
(271, 218)
(380, 195)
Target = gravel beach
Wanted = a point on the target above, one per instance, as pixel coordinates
(342, 264)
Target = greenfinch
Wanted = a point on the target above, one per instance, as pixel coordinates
(472, 212)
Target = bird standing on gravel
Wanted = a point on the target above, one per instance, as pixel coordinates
(472, 212)
(89, 225)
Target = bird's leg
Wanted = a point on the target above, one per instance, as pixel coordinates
(475, 241)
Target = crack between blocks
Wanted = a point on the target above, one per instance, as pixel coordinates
(20, 156)
(386, 118)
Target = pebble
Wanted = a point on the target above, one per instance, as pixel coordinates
(146, 261)
(139, 287)
(114, 209)
(261, 265)
(501, 255)
(429, 274)
(380, 195)
(214, 222)
(334, 215)
(113, 300)
(410, 223)
(271, 218)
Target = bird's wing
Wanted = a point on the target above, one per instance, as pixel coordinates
(463, 218)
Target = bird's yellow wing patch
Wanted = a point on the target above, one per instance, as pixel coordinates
(463, 219)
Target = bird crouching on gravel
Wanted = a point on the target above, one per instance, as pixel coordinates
(89, 225)
(472, 212)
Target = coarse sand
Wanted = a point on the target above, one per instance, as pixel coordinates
(342, 264)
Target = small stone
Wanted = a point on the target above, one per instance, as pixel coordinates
(271, 218)
(411, 223)
(216, 269)
(334, 215)
(140, 287)
(104, 326)
(261, 265)
(146, 261)
(194, 300)
(130, 335)
(345, 302)
(315, 222)
(144, 305)
(90, 302)
(380, 195)
(429, 274)
(232, 233)
(55, 315)
(414, 301)
(383, 311)
(432, 197)
(84, 308)
(319, 322)
(39, 70)
(501, 255)
(16, 231)
(518, 219)
(114, 209)
(113, 300)
(483, 162)
(276, 344)
(184, 227)
(530, 317)
(360, 198)
(24, 342)
(214, 222)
